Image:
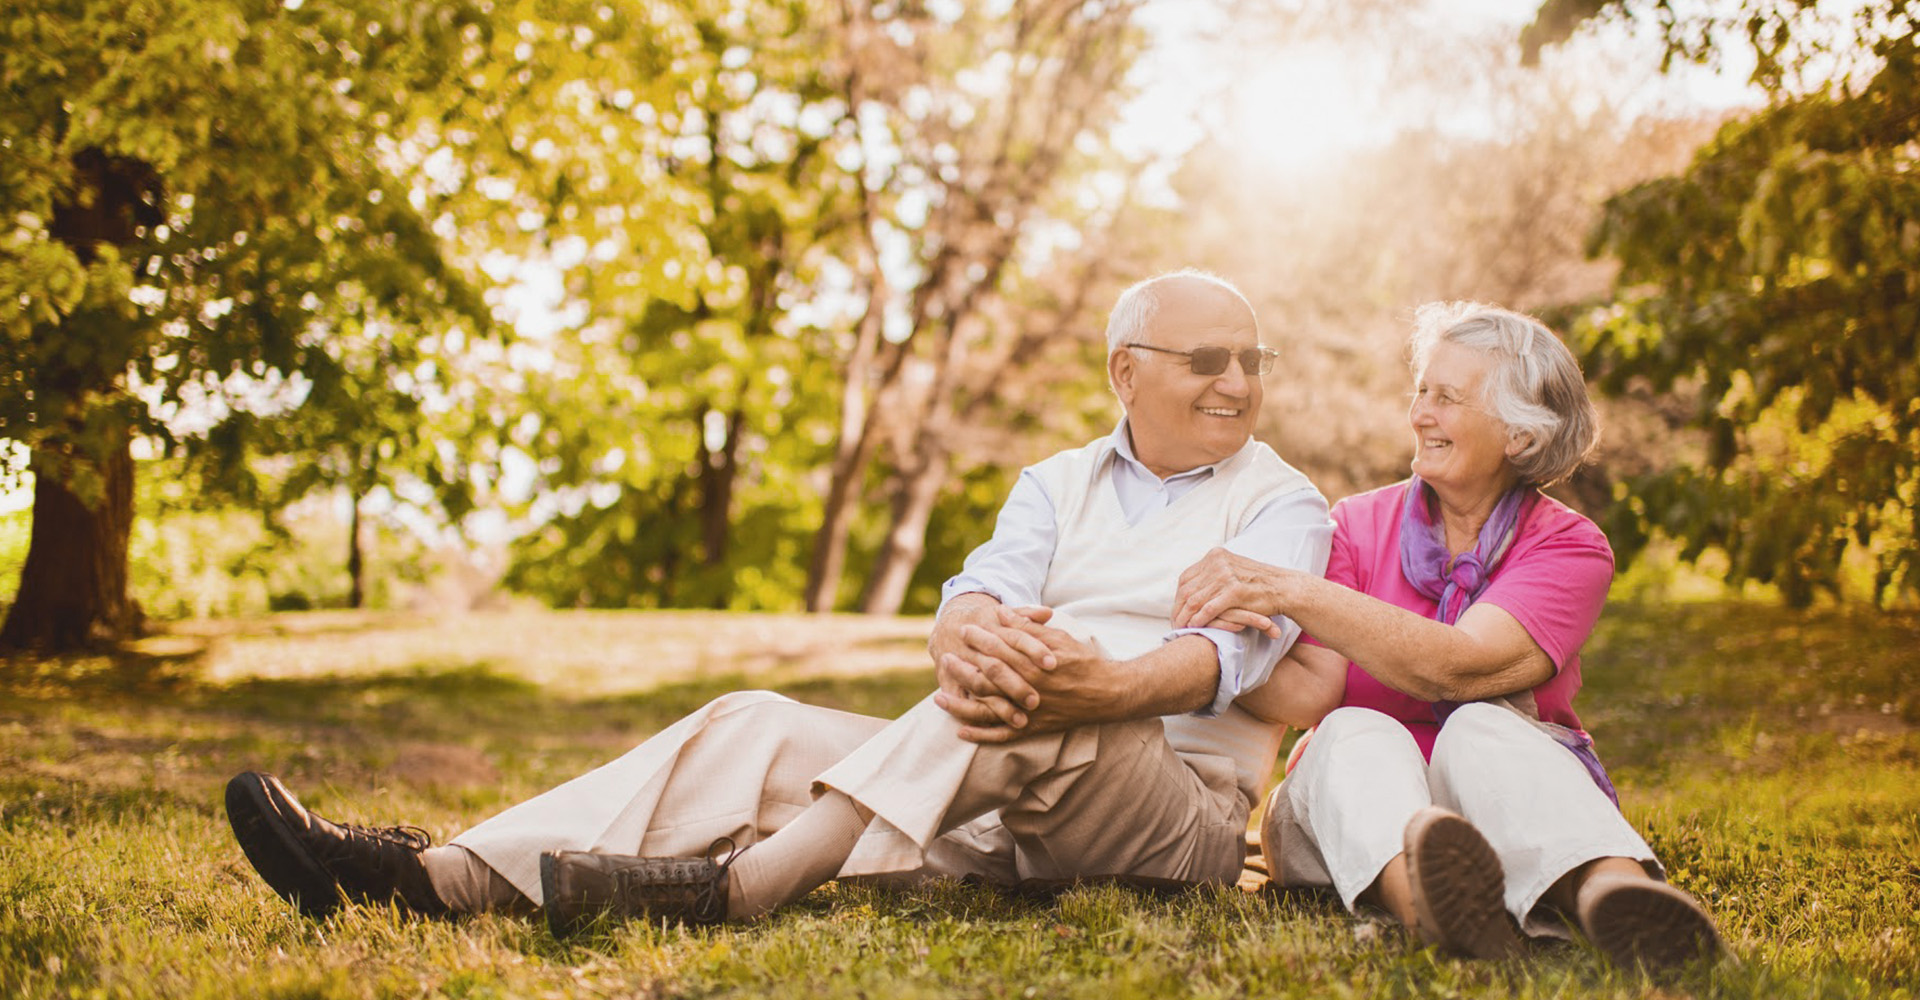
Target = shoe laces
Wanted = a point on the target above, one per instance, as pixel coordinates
(733, 852)
(711, 900)
(410, 837)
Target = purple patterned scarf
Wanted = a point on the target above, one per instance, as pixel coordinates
(1435, 572)
(1455, 582)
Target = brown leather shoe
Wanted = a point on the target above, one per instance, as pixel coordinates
(578, 886)
(312, 862)
(1459, 887)
(1646, 923)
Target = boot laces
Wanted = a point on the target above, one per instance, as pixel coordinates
(410, 837)
(710, 900)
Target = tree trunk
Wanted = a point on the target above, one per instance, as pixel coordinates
(852, 451)
(718, 473)
(853, 447)
(356, 566)
(907, 538)
(73, 588)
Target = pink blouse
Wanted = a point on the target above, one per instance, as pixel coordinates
(1553, 580)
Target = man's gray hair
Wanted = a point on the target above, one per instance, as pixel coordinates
(1137, 305)
(1534, 387)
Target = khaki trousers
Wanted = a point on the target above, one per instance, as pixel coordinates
(1106, 799)
(1342, 814)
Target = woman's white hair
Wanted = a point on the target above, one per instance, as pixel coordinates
(1534, 387)
(1136, 307)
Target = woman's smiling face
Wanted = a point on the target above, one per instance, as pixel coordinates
(1457, 443)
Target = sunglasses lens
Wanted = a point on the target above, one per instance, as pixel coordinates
(1209, 360)
(1256, 361)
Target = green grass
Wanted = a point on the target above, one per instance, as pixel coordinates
(1770, 756)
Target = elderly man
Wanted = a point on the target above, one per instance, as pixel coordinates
(1077, 734)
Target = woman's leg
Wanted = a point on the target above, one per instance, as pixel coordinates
(1538, 807)
(1341, 815)
(1570, 855)
(1356, 813)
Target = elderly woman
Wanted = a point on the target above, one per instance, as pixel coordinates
(1450, 781)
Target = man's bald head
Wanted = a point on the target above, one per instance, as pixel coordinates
(1181, 290)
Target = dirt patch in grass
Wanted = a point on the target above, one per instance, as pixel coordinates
(440, 764)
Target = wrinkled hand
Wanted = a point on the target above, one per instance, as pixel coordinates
(987, 665)
(1229, 591)
(1081, 686)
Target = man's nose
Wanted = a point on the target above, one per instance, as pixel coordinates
(1234, 381)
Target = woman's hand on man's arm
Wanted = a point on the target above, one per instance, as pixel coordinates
(1230, 591)
(1487, 653)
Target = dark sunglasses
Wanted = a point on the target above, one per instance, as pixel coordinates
(1213, 360)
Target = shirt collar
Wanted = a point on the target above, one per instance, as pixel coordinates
(1120, 444)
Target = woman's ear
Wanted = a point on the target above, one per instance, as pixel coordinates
(1519, 443)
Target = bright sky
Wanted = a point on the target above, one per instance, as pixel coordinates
(1302, 103)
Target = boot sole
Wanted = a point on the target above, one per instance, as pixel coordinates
(273, 850)
(562, 919)
(1458, 887)
(1649, 924)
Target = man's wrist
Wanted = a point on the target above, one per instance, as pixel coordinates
(971, 608)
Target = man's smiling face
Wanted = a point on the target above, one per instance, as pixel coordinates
(1180, 420)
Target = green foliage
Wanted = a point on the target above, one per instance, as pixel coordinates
(15, 528)
(962, 519)
(1774, 281)
(190, 558)
(201, 562)
(229, 155)
(1768, 755)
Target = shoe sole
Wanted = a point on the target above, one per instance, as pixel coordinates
(1458, 887)
(273, 850)
(1649, 924)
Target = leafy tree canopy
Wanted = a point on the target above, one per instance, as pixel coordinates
(1777, 282)
(220, 206)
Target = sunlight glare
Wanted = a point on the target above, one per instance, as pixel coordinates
(1312, 103)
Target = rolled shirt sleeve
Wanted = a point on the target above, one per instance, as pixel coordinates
(1292, 531)
(1011, 566)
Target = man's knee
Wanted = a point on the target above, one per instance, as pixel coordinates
(763, 712)
(734, 701)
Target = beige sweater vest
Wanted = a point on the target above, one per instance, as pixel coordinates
(1119, 580)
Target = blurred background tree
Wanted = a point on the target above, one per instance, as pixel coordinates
(1774, 284)
(189, 186)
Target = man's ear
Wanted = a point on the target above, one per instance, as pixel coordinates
(1122, 366)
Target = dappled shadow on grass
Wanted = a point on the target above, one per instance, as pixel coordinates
(459, 702)
(142, 668)
(26, 800)
(465, 739)
(171, 658)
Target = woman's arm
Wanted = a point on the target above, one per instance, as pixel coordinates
(1485, 654)
(1306, 684)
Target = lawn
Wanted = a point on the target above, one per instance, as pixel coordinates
(1771, 757)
